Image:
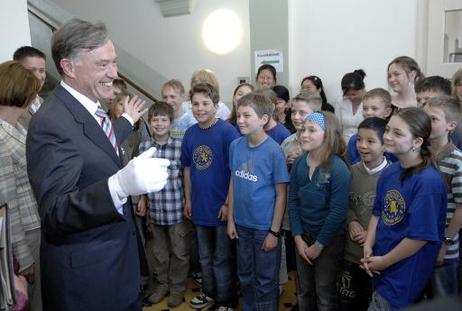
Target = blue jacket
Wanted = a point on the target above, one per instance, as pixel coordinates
(319, 206)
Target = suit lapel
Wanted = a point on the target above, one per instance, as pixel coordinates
(91, 128)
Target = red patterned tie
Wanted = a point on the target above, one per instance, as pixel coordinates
(107, 127)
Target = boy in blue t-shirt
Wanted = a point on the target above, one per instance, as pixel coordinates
(204, 156)
(257, 199)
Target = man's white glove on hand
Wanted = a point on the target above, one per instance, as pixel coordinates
(142, 174)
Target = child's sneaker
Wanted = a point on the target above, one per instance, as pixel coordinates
(201, 301)
(217, 307)
(223, 308)
(197, 277)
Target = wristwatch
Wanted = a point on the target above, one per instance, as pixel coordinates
(448, 240)
(276, 234)
(319, 245)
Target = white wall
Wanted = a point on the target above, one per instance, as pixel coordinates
(172, 46)
(331, 38)
(15, 27)
(326, 37)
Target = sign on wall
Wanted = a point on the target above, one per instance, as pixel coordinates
(272, 57)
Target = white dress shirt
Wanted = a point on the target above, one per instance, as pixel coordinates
(91, 107)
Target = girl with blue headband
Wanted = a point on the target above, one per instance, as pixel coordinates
(318, 203)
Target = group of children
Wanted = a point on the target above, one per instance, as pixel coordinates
(378, 208)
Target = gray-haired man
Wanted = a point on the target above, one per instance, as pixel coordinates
(90, 246)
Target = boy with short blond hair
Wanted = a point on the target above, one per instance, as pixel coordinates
(170, 232)
(376, 103)
(444, 113)
(173, 93)
(301, 105)
(205, 158)
(257, 199)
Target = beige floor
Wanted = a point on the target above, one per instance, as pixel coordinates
(286, 302)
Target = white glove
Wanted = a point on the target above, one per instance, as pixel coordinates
(142, 174)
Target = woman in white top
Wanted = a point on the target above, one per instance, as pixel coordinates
(349, 110)
(403, 72)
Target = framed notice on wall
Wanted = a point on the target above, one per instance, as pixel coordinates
(272, 57)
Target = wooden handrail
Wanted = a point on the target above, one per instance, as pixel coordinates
(137, 87)
(37, 14)
(122, 76)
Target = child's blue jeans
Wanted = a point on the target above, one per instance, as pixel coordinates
(445, 279)
(258, 270)
(216, 263)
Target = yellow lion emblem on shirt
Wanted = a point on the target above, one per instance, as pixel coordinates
(202, 157)
(394, 208)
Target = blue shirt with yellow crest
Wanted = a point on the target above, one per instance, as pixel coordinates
(206, 152)
(414, 209)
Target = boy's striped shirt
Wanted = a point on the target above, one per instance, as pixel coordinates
(450, 165)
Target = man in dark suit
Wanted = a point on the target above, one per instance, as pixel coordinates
(90, 247)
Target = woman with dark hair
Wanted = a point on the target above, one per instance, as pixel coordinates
(349, 110)
(266, 76)
(240, 90)
(406, 229)
(314, 84)
(282, 108)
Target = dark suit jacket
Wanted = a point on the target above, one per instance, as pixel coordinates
(89, 255)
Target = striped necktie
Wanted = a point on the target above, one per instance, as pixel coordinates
(107, 127)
